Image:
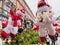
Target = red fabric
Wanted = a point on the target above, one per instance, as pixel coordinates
(55, 24)
(4, 34)
(37, 27)
(43, 39)
(12, 35)
(4, 22)
(42, 3)
(53, 37)
(12, 12)
(14, 17)
(57, 30)
(20, 22)
(15, 23)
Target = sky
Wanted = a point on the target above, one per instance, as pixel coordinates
(54, 3)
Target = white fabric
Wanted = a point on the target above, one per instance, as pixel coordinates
(19, 22)
(51, 30)
(14, 30)
(18, 12)
(54, 19)
(42, 32)
(43, 8)
(46, 27)
(10, 21)
(10, 28)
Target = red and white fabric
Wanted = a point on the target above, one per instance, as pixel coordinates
(14, 23)
(21, 12)
(45, 25)
(43, 6)
(4, 22)
(35, 27)
(19, 22)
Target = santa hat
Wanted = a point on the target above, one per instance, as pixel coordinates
(20, 12)
(43, 6)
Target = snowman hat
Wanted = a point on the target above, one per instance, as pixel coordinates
(43, 6)
(20, 12)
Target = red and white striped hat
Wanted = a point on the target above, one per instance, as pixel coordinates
(43, 6)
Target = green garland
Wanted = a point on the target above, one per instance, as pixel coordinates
(27, 38)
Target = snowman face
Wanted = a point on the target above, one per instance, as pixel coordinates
(44, 15)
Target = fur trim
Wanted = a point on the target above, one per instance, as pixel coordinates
(20, 13)
(43, 8)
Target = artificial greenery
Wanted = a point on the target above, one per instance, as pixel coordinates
(27, 38)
